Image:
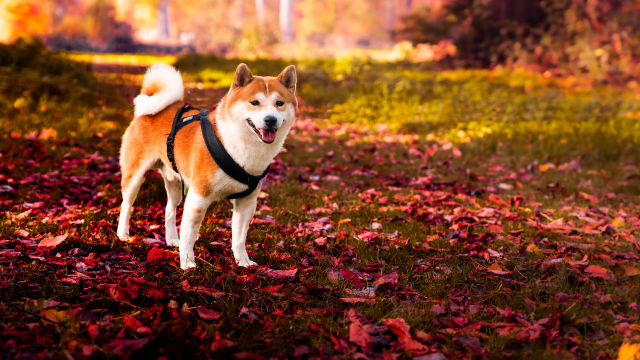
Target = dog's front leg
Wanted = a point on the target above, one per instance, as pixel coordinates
(243, 210)
(195, 208)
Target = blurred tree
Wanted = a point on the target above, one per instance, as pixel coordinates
(210, 28)
(25, 18)
(318, 20)
(286, 21)
(239, 21)
(163, 20)
(261, 15)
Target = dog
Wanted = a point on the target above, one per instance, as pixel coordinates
(252, 121)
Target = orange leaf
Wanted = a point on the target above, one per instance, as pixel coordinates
(53, 242)
(597, 271)
(631, 271)
(629, 352)
(497, 200)
(570, 261)
(532, 248)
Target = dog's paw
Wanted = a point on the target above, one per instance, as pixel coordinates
(245, 262)
(186, 265)
(123, 236)
(173, 242)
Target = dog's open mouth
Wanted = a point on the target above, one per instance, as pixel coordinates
(266, 135)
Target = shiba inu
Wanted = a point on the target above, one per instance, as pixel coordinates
(251, 122)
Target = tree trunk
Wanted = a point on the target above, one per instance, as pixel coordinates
(286, 20)
(389, 16)
(240, 15)
(163, 20)
(261, 13)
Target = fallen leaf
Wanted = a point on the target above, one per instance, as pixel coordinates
(348, 275)
(630, 271)
(496, 269)
(597, 271)
(437, 309)
(497, 200)
(532, 248)
(53, 242)
(629, 352)
(355, 300)
(126, 347)
(219, 342)
(206, 314)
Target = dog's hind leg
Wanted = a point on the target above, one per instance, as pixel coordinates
(133, 171)
(173, 185)
(195, 207)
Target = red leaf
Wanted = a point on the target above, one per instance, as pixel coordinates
(117, 292)
(301, 350)
(53, 242)
(126, 347)
(282, 274)
(341, 345)
(272, 288)
(93, 330)
(398, 326)
(355, 300)
(359, 336)
(131, 322)
(497, 200)
(353, 278)
(220, 343)
(437, 309)
(248, 313)
(206, 314)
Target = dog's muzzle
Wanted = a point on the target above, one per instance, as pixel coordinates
(267, 135)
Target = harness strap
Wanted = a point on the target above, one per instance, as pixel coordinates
(226, 162)
(216, 150)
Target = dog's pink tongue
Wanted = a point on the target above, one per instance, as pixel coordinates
(268, 135)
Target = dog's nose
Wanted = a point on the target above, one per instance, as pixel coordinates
(270, 121)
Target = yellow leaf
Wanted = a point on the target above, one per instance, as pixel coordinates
(629, 352)
(343, 221)
(496, 269)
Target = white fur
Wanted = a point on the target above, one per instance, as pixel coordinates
(243, 144)
(195, 208)
(243, 210)
(128, 197)
(171, 90)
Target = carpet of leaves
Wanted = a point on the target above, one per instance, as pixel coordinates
(371, 244)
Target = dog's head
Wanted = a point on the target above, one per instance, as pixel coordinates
(263, 106)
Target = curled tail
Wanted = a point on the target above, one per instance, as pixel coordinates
(162, 86)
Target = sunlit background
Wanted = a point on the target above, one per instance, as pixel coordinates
(219, 26)
(597, 36)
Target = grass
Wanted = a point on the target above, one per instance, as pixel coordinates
(551, 152)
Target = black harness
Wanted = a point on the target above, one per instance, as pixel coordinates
(216, 149)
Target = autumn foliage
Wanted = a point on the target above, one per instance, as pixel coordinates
(412, 214)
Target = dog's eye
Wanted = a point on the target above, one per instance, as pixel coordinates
(255, 103)
(279, 103)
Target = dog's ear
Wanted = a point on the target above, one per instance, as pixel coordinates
(242, 77)
(288, 78)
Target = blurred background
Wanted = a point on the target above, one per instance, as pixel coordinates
(561, 37)
(464, 71)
